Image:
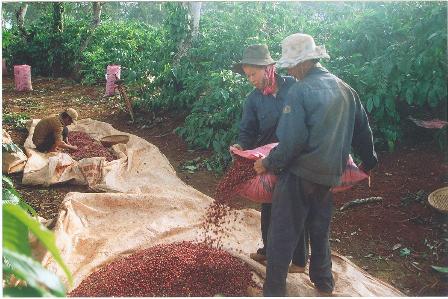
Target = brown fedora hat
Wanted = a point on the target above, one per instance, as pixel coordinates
(254, 55)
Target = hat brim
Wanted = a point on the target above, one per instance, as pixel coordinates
(285, 62)
(238, 67)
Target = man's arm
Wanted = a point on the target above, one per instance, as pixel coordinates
(362, 141)
(59, 142)
(62, 144)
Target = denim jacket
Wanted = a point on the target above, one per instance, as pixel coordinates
(321, 120)
(261, 114)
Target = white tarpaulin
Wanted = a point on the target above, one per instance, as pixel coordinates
(151, 205)
(14, 160)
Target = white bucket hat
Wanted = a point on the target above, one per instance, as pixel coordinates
(72, 113)
(298, 48)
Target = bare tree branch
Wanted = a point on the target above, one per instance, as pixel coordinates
(96, 21)
(184, 46)
(20, 16)
(97, 13)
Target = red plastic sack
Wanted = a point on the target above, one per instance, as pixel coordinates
(260, 188)
(350, 177)
(22, 77)
(112, 74)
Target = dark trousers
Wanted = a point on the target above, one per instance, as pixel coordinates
(49, 141)
(296, 202)
(300, 255)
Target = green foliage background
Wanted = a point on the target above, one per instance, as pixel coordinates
(393, 53)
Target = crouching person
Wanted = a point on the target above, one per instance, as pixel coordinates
(51, 133)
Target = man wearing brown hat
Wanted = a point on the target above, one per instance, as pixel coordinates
(261, 112)
(321, 121)
(51, 132)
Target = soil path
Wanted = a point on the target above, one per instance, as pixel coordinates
(397, 239)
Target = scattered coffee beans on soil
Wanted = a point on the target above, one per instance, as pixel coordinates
(174, 270)
(87, 147)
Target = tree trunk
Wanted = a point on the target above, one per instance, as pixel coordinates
(184, 46)
(58, 28)
(20, 16)
(195, 8)
(96, 20)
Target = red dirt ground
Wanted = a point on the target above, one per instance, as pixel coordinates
(366, 233)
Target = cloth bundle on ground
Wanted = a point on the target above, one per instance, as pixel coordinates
(13, 158)
(154, 206)
(261, 187)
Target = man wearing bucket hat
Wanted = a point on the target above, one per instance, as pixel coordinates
(321, 120)
(261, 112)
(51, 132)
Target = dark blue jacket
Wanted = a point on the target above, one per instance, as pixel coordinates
(322, 118)
(261, 114)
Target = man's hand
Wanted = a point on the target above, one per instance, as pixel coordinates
(236, 145)
(259, 167)
(62, 144)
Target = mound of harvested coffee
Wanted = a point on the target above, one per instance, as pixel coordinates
(87, 147)
(175, 270)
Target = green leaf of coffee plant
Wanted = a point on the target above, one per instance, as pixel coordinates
(409, 96)
(405, 251)
(45, 236)
(369, 105)
(36, 276)
(15, 232)
(440, 269)
(24, 292)
(7, 182)
(376, 101)
(10, 197)
(390, 105)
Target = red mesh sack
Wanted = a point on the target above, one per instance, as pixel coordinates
(259, 188)
(350, 177)
(241, 178)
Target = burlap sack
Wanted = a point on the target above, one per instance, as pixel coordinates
(13, 161)
(139, 165)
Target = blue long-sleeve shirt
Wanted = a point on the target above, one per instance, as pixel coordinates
(261, 114)
(322, 118)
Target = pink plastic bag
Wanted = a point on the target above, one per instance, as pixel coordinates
(22, 77)
(261, 188)
(112, 74)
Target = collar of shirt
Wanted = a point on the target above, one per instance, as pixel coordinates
(280, 82)
(316, 70)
